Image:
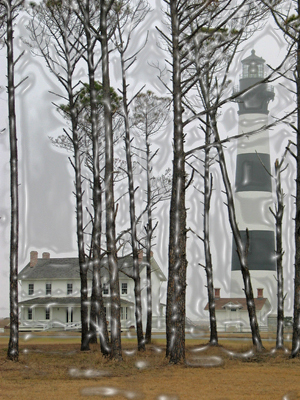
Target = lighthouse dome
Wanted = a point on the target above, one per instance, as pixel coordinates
(253, 66)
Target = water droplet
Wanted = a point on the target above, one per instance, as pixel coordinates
(28, 336)
(198, 349)
(247, 354)
(129, 352)
(206, 362)
(132, 395)
(157, 349)
(87, 373)
(100, 391)
(110, 391)
(141, 364)
(167, 397)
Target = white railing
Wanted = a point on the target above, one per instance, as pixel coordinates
(41, 325)
(70, 326)
(269, 88)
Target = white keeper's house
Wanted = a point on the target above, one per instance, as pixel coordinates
(232, 313)
(50, 293)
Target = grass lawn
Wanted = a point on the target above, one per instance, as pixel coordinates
(51, 368)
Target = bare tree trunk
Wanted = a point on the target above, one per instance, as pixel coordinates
(97, 314)
(241, 248)
(97, 301)
(90, 43)
(175, 313)
(149, 231)
(208, 261)
(296, 323)
(95, 309)
(98, 322)
(279, 254)
(79, 201)
(116, 349)
(13, 346)
(133, 233)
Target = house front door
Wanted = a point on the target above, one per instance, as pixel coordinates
(69, 315)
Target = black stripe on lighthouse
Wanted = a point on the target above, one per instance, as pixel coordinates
(261, 254)
(251, 174)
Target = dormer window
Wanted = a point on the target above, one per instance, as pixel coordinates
(69, 288)
(48, 289)
(105, 288)
(30, 289)
(232, 306)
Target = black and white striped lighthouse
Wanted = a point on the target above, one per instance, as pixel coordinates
(253, 185)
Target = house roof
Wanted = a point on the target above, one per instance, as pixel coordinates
(61, 301)
(238, 302)
(68, 268)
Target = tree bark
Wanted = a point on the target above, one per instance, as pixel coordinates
(149, 232)
(279, 254)
(116, 349)
(13, 346)
(208, 261)
(96, 301)
(176, 291)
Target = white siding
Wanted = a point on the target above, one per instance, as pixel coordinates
(59, 289)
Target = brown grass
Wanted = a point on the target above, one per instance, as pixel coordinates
(56, 369)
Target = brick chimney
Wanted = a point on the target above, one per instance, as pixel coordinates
(141, 255)
(260, 293)
(46, 255)
(33, 258)
(217, 293)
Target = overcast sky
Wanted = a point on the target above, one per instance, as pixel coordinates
(47, 216)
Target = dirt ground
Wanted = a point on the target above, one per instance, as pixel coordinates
(52, 369)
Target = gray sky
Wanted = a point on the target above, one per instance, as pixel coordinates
(47, 216)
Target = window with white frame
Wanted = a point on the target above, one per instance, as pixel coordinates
(69, 288)
(29, 313)
(48, 289)
(124, 288)
(105, 288)
(47, 314)
(30, 288)
(124, 314)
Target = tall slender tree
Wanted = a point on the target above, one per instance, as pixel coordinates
(176, 291)
(129, 15)
(116, 349)
(208, 185)
(89, 12)
(150, 113)
(9, 12)
(278, 215)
